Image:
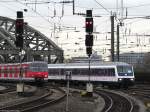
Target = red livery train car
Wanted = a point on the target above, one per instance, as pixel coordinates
(27, 71)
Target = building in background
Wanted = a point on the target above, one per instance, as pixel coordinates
(94, 58)
(132, 58)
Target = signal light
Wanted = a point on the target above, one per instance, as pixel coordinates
(89, 40)
(89, 25)
(88, 13)
(19, 14)
(19, 26)
(89, 31)
(19, 41)
(89, 51)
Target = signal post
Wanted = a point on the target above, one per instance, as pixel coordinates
(19, 25)
(89, 44)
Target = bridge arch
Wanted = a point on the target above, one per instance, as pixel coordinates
(36, 45)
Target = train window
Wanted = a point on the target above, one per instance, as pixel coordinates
(84, 71)
(61, 72)
(1, 69)
(111, 72)
(124, 69)
(14, 69)
(99, 72)
(5, 70)
(53, 71)
(38, 66)
(76, 71)
(35, 69)
(103, 72)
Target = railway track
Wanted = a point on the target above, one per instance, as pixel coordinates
(115, 102)
(140, 90)
(8, 88)
(34, 103)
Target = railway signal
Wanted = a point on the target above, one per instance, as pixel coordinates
(19, 25)
(89, 40)
(89, 51)
(19, 41)
(89, 44)
(89, 22)
(89, 25)
(89, 31)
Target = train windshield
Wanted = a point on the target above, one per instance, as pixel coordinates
(125, 70)
(38, 66)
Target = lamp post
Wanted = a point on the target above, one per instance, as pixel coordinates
(68, 78)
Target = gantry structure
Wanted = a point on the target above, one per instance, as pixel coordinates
(37, 47)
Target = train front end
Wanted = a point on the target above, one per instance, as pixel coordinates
(39, 71)
(125, 75)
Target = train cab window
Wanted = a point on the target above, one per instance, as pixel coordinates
(38, 67)
(125, 70)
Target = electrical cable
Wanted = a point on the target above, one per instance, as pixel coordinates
(102, 6)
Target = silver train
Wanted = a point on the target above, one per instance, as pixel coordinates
(105, 73)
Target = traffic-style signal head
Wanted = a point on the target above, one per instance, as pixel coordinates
(19, 26)
(19, 41)
(89, 51)
(88, 13)
(89, 40)
(19, 14)
(89, 25)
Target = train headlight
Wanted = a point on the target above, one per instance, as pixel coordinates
(131, 79)
(120, 79)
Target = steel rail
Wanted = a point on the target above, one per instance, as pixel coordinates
(115, 98)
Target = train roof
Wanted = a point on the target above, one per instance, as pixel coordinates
(92, 64)
(38, 62)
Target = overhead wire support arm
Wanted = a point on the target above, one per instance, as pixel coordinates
(66, 2)
(73, 7)
(144, 17)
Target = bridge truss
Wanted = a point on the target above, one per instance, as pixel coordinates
(36, 45)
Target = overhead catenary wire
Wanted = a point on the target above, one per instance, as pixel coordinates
(107, 8)
(35, 12)
(102, 6)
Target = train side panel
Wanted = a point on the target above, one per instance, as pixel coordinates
(12, 72)
(104, 74)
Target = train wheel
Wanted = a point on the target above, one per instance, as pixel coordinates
(39, 81)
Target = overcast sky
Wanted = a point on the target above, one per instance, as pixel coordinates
(72, 33)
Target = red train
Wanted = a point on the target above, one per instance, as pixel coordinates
(28, 71)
